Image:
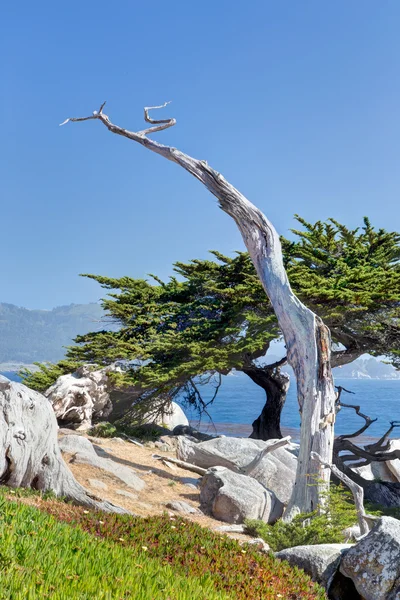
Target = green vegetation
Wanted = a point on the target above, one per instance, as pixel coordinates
(96, 555)
(43, 558)
(214, 315)
(314, 528)
(106, 430)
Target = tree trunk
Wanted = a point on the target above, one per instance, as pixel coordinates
(307, 338)
(275, 384)
(29, 451)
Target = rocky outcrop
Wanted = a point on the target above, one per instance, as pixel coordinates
(81, 397)
(168, 415)
(320, 561)
(275, 470)
(374, 563)
(29, 452)
(232, 497)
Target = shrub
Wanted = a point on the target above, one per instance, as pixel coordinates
(104, 429)
(313, 528)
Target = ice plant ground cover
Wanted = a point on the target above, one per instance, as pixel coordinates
(56, 550)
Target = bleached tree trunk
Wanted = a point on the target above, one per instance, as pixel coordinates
(307, 338)
(29, 451)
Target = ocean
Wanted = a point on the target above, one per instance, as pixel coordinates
(240, 401)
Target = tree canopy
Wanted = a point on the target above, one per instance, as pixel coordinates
(213, 315)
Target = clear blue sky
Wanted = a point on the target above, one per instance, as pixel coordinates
(297, 103)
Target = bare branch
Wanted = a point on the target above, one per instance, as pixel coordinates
(380, 445)
(364, 520)
(182, 464)
(368, 421)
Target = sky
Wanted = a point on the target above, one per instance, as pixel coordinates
(296, 103)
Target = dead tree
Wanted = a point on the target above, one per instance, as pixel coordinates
(307, 338)
(29, 451)
(347, 455)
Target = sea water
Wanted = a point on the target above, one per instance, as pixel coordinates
(240, 401)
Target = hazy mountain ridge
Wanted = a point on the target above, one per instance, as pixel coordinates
(367, 368)
(27, 335)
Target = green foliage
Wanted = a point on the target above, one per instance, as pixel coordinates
(43, 558)
(105, 430)
(46, 374)
(191, 550)
(214, 315)
(315, 528)
(351, 279)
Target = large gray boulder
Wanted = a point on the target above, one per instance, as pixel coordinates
(275, 470)
(378, 471)
(320, 561)
(374, 563)
(232, 497)
(168, 415)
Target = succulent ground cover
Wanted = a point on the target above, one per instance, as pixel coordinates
(178, 558)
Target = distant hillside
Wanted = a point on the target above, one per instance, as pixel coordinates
(39, 335)
(367, 368)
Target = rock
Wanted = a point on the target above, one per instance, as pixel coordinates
(260, 545)
(163, 447)
(191, 486)
(374, 563)
(320, 561)
(190, 431)
(167, 416)
(276, 470)
(118, 440)
(81, 396)
(383, 493)
(232, 497)
(394, 465)
(99, 485)
(126, 494)
(233, 453)
(192, 481)
(169, 440)
(70, 444)
(231, 528)
(352, 533)
(182, 507)
(378, 471)
(66, 431)
(30, 455)
(125, 474)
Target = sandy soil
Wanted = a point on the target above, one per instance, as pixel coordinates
(163, 484)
